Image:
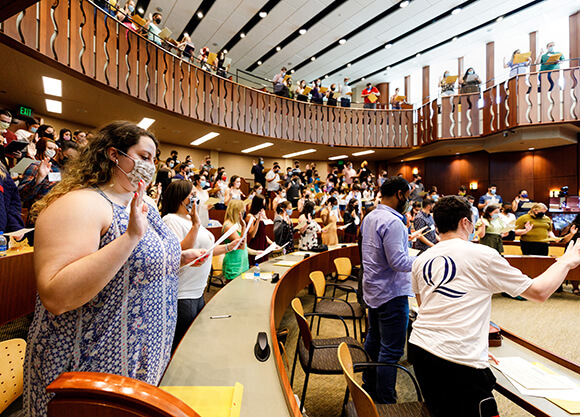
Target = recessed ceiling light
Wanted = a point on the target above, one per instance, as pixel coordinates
(145, 123)
(302, 31)
(200, 15)
(292, 155)
(499, 19)
(259, 62)
(334, 158)
(363, 153)
(53, 106)
(531, 149)
(204, 138)
(418, 55)
(456, 153)
(313, 58)
(292, 71)
(140, 10)
(52, 86)
(348, 65)
(402, 160)
(342, 41)
(225, 51)
(388, 46)
(242, 35)
(278, 48)
(326, 76)
(404, 4)
(456, 11)
(389, 67)
(263, 14)
(363, 78)
(454, 38)
(185, 34)
(257, 147)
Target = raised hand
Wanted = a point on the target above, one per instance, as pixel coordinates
(138, 218)
(43, 170)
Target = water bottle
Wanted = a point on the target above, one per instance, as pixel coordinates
(257, 272)
(4, 245)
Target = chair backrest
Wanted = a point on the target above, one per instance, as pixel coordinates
(305, 333)
(556, 251)
(11, 371)
(319, 282)
(95, 393)
(362, 401)
(511, 250)
(217, 263)
(343, 267)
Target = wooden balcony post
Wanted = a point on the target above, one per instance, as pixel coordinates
(574, 42)
(489, 64)
(426, 95)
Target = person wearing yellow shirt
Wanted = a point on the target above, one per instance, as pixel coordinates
(535, 242)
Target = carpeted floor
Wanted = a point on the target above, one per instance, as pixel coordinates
(551, 325)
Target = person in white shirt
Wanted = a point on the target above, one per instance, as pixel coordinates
(345, 93)
(180, 215)
(349, 173)
(454, 282)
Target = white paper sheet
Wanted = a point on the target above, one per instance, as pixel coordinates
(248, 226)
(530, 376)
(19, 232)
(218, 242)
(269, 249)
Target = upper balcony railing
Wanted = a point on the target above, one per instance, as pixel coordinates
(84, 38)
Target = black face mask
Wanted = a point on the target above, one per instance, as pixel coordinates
(158, 21)
(539, 215)
(402, 205)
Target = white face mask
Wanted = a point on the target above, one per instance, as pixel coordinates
(50, 153)
(141, 171)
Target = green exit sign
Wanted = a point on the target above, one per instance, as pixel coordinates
(25, 111)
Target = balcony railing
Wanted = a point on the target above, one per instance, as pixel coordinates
(84, 38)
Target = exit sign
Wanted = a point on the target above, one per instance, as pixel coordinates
(25, 111)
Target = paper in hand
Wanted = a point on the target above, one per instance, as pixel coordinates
(19, 232)
(219, 241)
(269, 249)
(248, 226)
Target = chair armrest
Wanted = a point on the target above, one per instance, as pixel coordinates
(330, 316)
(347, 277)
(351, 346)
(338, 299)
(361, 366)
(342, 287)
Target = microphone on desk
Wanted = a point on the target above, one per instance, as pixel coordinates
(262, 348)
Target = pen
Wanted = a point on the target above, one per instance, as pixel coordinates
(225, 316)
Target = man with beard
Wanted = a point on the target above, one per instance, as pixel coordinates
(386, 285)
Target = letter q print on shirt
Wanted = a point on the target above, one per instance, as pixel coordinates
(449, 272)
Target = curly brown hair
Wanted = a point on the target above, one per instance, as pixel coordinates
(93, 166)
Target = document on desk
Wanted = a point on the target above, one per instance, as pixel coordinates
(533, 377)
(219, 241)
(286, 263)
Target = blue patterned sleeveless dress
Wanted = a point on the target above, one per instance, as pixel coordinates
(127, 329)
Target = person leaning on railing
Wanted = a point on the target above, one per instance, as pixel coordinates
(470, 82)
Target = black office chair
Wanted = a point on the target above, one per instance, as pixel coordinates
(319, 355)
(336, 306)
(362, 405)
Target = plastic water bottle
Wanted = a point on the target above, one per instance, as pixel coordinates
(4, 245)
(257, 272)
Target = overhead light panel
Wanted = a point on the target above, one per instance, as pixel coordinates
(52, 86)
(204, 138)
(258, 147)
(302, 31)
(263, 14)
(145, 123)
(361, 153)
(53, 106)
(334, 158)
(292, 155)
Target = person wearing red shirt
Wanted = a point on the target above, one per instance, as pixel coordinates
(365, 94)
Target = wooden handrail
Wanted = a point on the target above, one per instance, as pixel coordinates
(98, 48)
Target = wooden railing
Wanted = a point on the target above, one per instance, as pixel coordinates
(99, 48)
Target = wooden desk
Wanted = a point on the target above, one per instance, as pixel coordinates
(533, 266)
(17, 286)
(220, 352)
(512, 345)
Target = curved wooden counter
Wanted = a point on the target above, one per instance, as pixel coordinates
(220, 351)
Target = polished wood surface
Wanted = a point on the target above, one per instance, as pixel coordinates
(533, 266)
(489, 64)
(106, 395)
(17, 286)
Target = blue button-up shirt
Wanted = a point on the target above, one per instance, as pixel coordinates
(385, 256)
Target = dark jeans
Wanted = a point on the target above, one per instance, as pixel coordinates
(385, 342)
(370, 105)
(187, 311)
(451, 389)
(344, 102)
(534, 248)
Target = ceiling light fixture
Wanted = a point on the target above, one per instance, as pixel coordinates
(348, 65)
(204, 138)
(326, 76)
(418, 55)
(145, 123)
(258, 147)
(454, 38)
(404, 4)
(242, 35)
(292, 155)
(363, 153)
(334, 158)
(263, 14)
(292, 71)
(363, 78)
(140, 10)
(53, 106)
(225, 51)
(499, 19)
(302, 31)
(456, 11)
(389, 67)
(52, 86)
(278, 48)
(259, 62)
(200, 15)
(313, 59)
(531, 149)
(342, 41)
(388, 46)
